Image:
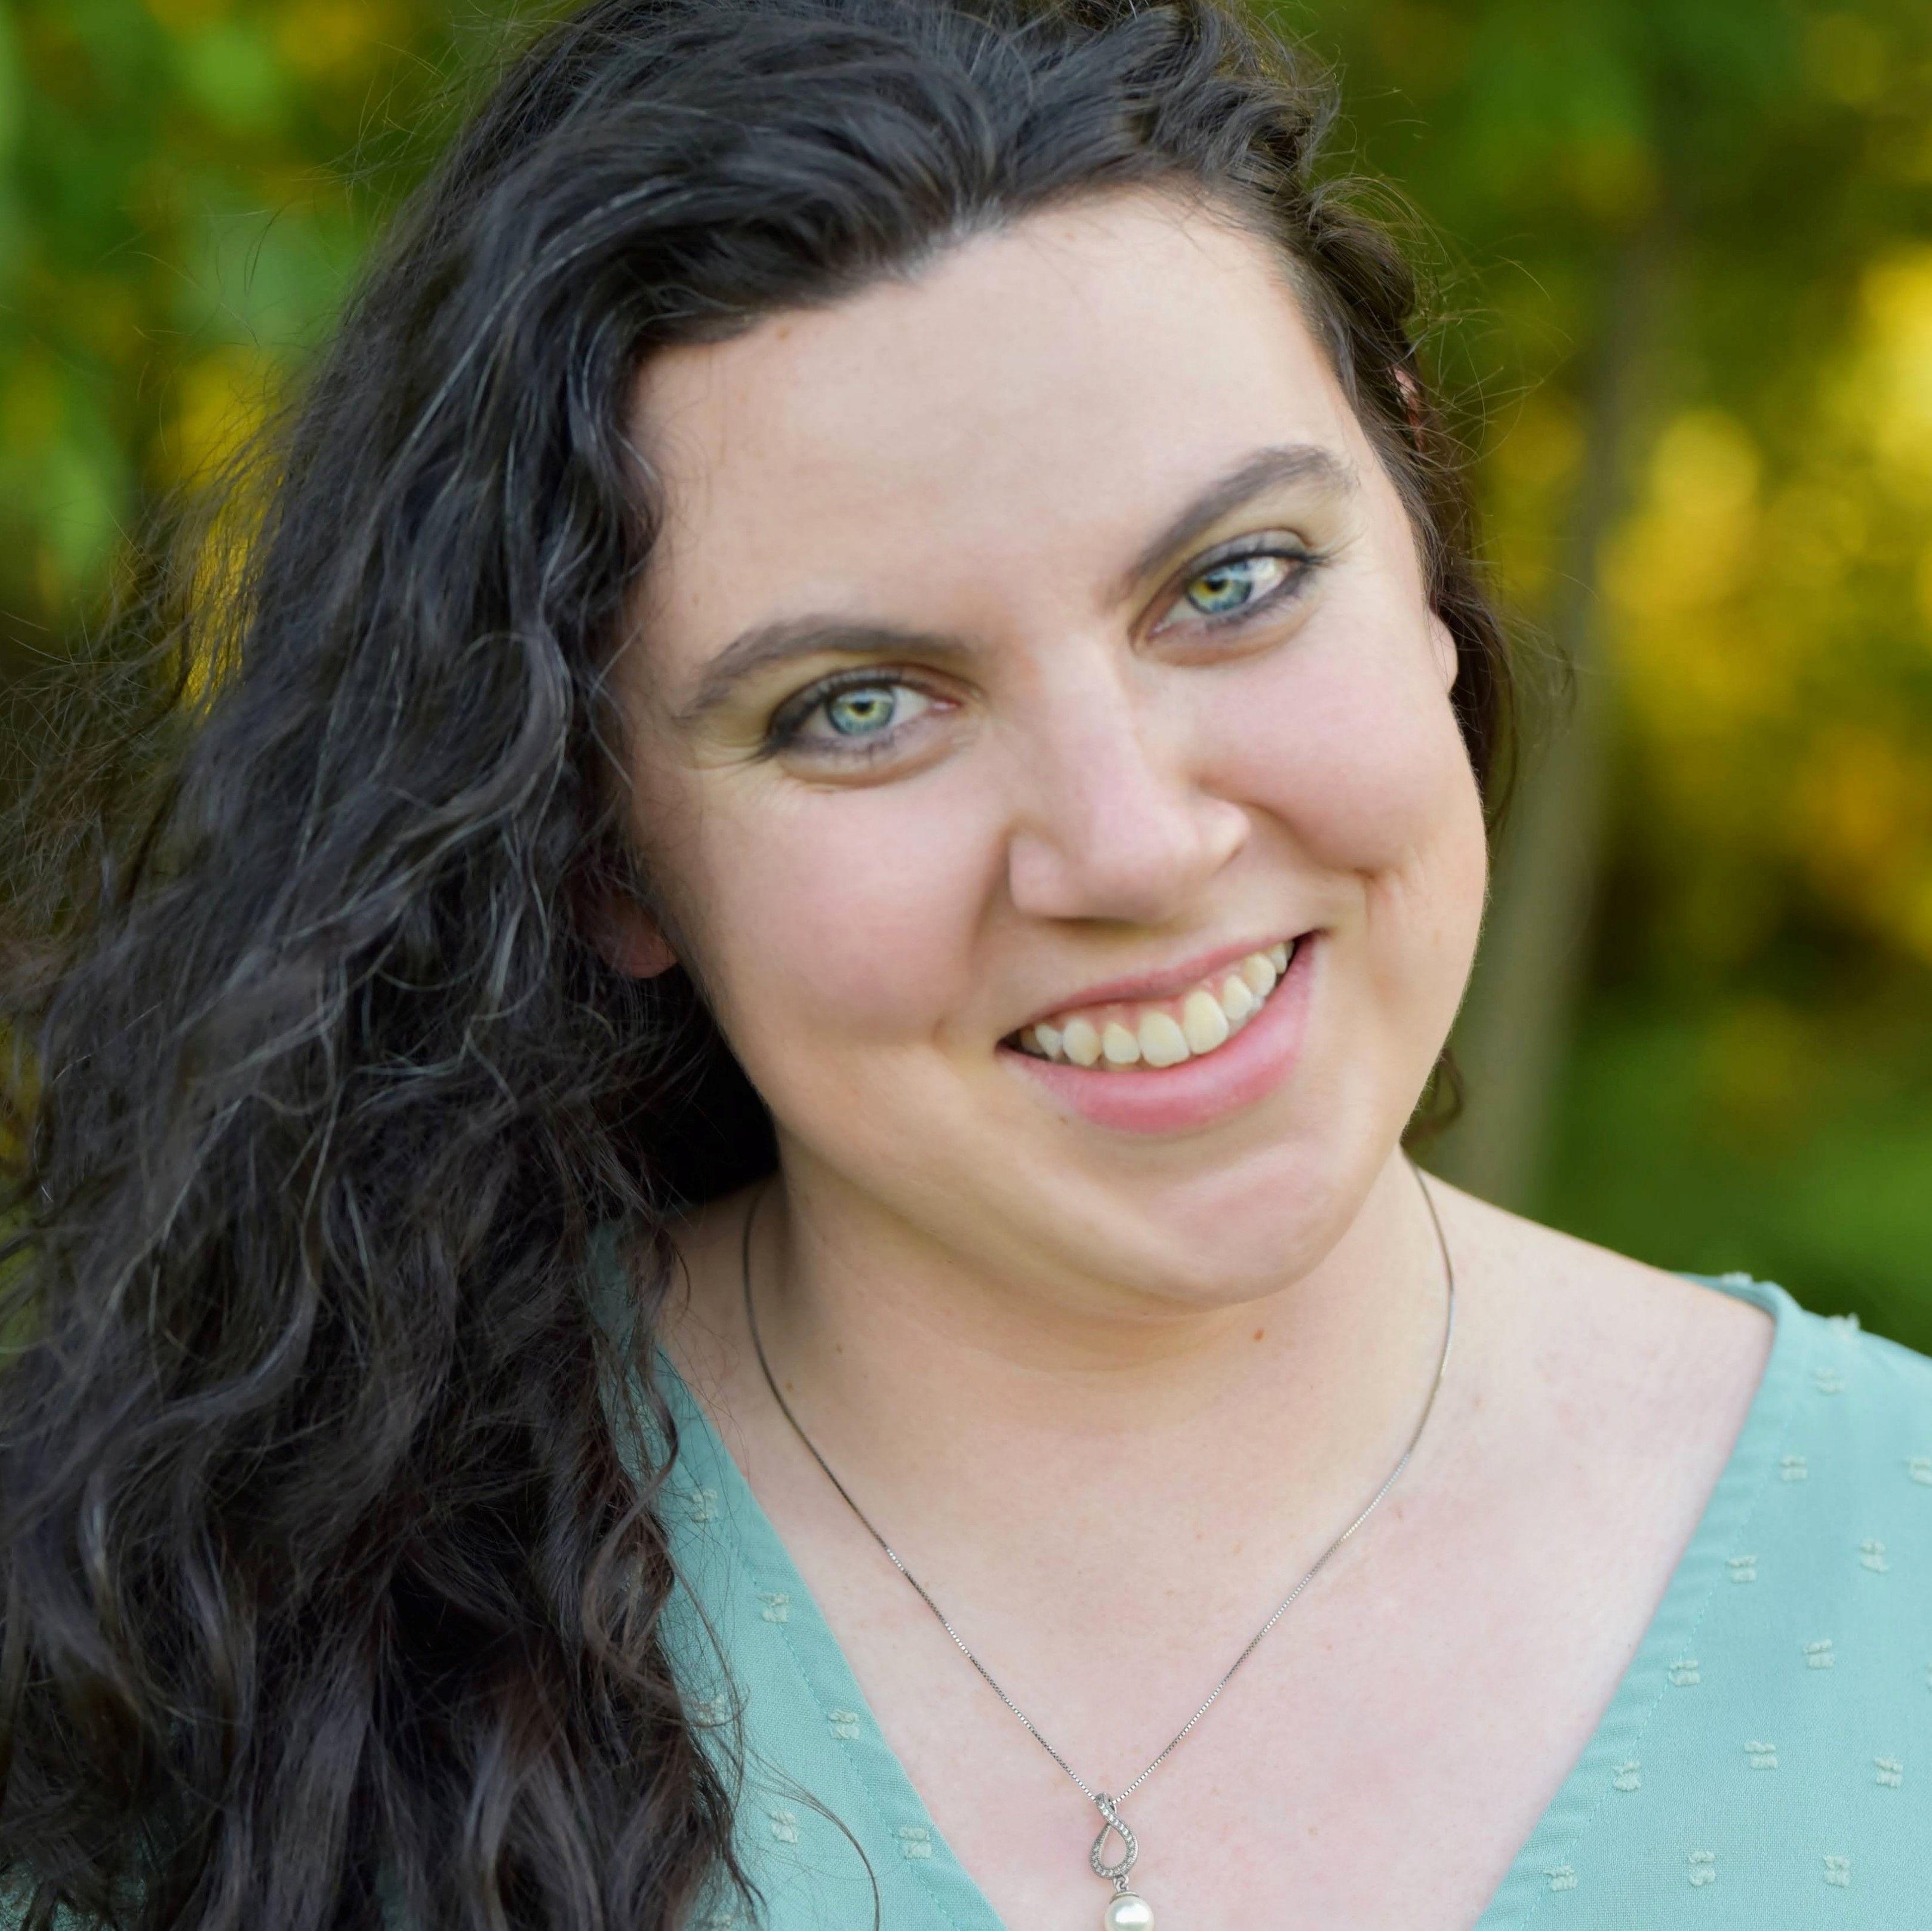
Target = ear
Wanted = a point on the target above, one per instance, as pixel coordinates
(628, 938)
(1411, 402)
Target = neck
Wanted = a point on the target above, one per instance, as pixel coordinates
(946, 1398)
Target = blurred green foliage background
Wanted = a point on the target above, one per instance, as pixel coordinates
(1684, 252)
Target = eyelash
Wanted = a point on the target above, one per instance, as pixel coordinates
(788, 721)
(1304, 563)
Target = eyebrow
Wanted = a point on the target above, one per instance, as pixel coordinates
(790, 638)
(1266, 469)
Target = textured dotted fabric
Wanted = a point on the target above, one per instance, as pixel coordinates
(1765, 1762)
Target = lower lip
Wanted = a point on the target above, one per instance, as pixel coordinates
(1170, 1099)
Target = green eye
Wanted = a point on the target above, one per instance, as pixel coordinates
(865, 720)
(1233, 585)
(863, 711)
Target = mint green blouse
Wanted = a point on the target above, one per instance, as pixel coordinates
(1766, 1761)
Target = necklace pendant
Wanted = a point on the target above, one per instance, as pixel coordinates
(1113, 1825)
(1126, 1910)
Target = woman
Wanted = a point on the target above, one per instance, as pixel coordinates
(844, 819)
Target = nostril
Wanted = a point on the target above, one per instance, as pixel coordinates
(1131, 851)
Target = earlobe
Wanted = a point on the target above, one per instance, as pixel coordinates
(628, 940)
(1448, 659)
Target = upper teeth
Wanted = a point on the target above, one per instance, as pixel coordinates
(1162, 1033)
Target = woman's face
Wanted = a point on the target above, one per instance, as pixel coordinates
(1033, 648)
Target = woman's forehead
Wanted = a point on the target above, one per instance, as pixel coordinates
(1083, 369)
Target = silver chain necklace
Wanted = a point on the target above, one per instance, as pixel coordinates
(1126, 1910)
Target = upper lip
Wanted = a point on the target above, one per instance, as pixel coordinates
(1162, 985)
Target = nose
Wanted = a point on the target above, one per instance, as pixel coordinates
(1115, 823)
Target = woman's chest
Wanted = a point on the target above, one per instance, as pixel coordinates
(1379, 1759)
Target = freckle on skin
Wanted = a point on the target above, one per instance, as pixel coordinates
(1257, 1334)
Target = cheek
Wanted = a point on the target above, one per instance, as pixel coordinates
(846, 917)
(1357, 751)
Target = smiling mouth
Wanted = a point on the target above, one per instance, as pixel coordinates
(1124, 1033)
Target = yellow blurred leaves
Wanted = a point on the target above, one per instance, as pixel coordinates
(1688, 545)
(1813, 532)
(1761, 609)
(1613, 175)
(1697, 670)
(183, 209)
(333, 39)
(1527, 478)
(1543, 445)
(221, 401)
(216, 604)
(1862, 812)
(1891, 381)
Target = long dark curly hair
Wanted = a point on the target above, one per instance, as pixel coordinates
(332, 1568)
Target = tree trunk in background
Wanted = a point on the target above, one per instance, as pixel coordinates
(1517, 1023)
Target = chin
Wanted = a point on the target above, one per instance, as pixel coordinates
(1220, 1234)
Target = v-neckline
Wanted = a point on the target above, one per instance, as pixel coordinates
(708, 1463)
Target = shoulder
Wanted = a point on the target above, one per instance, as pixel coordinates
(1858, 1410)
(1831, 1522)
(1686, 1371)
(1587, 1340)
(1890, 1383)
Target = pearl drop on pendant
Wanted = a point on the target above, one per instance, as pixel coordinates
(1127, 1912)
